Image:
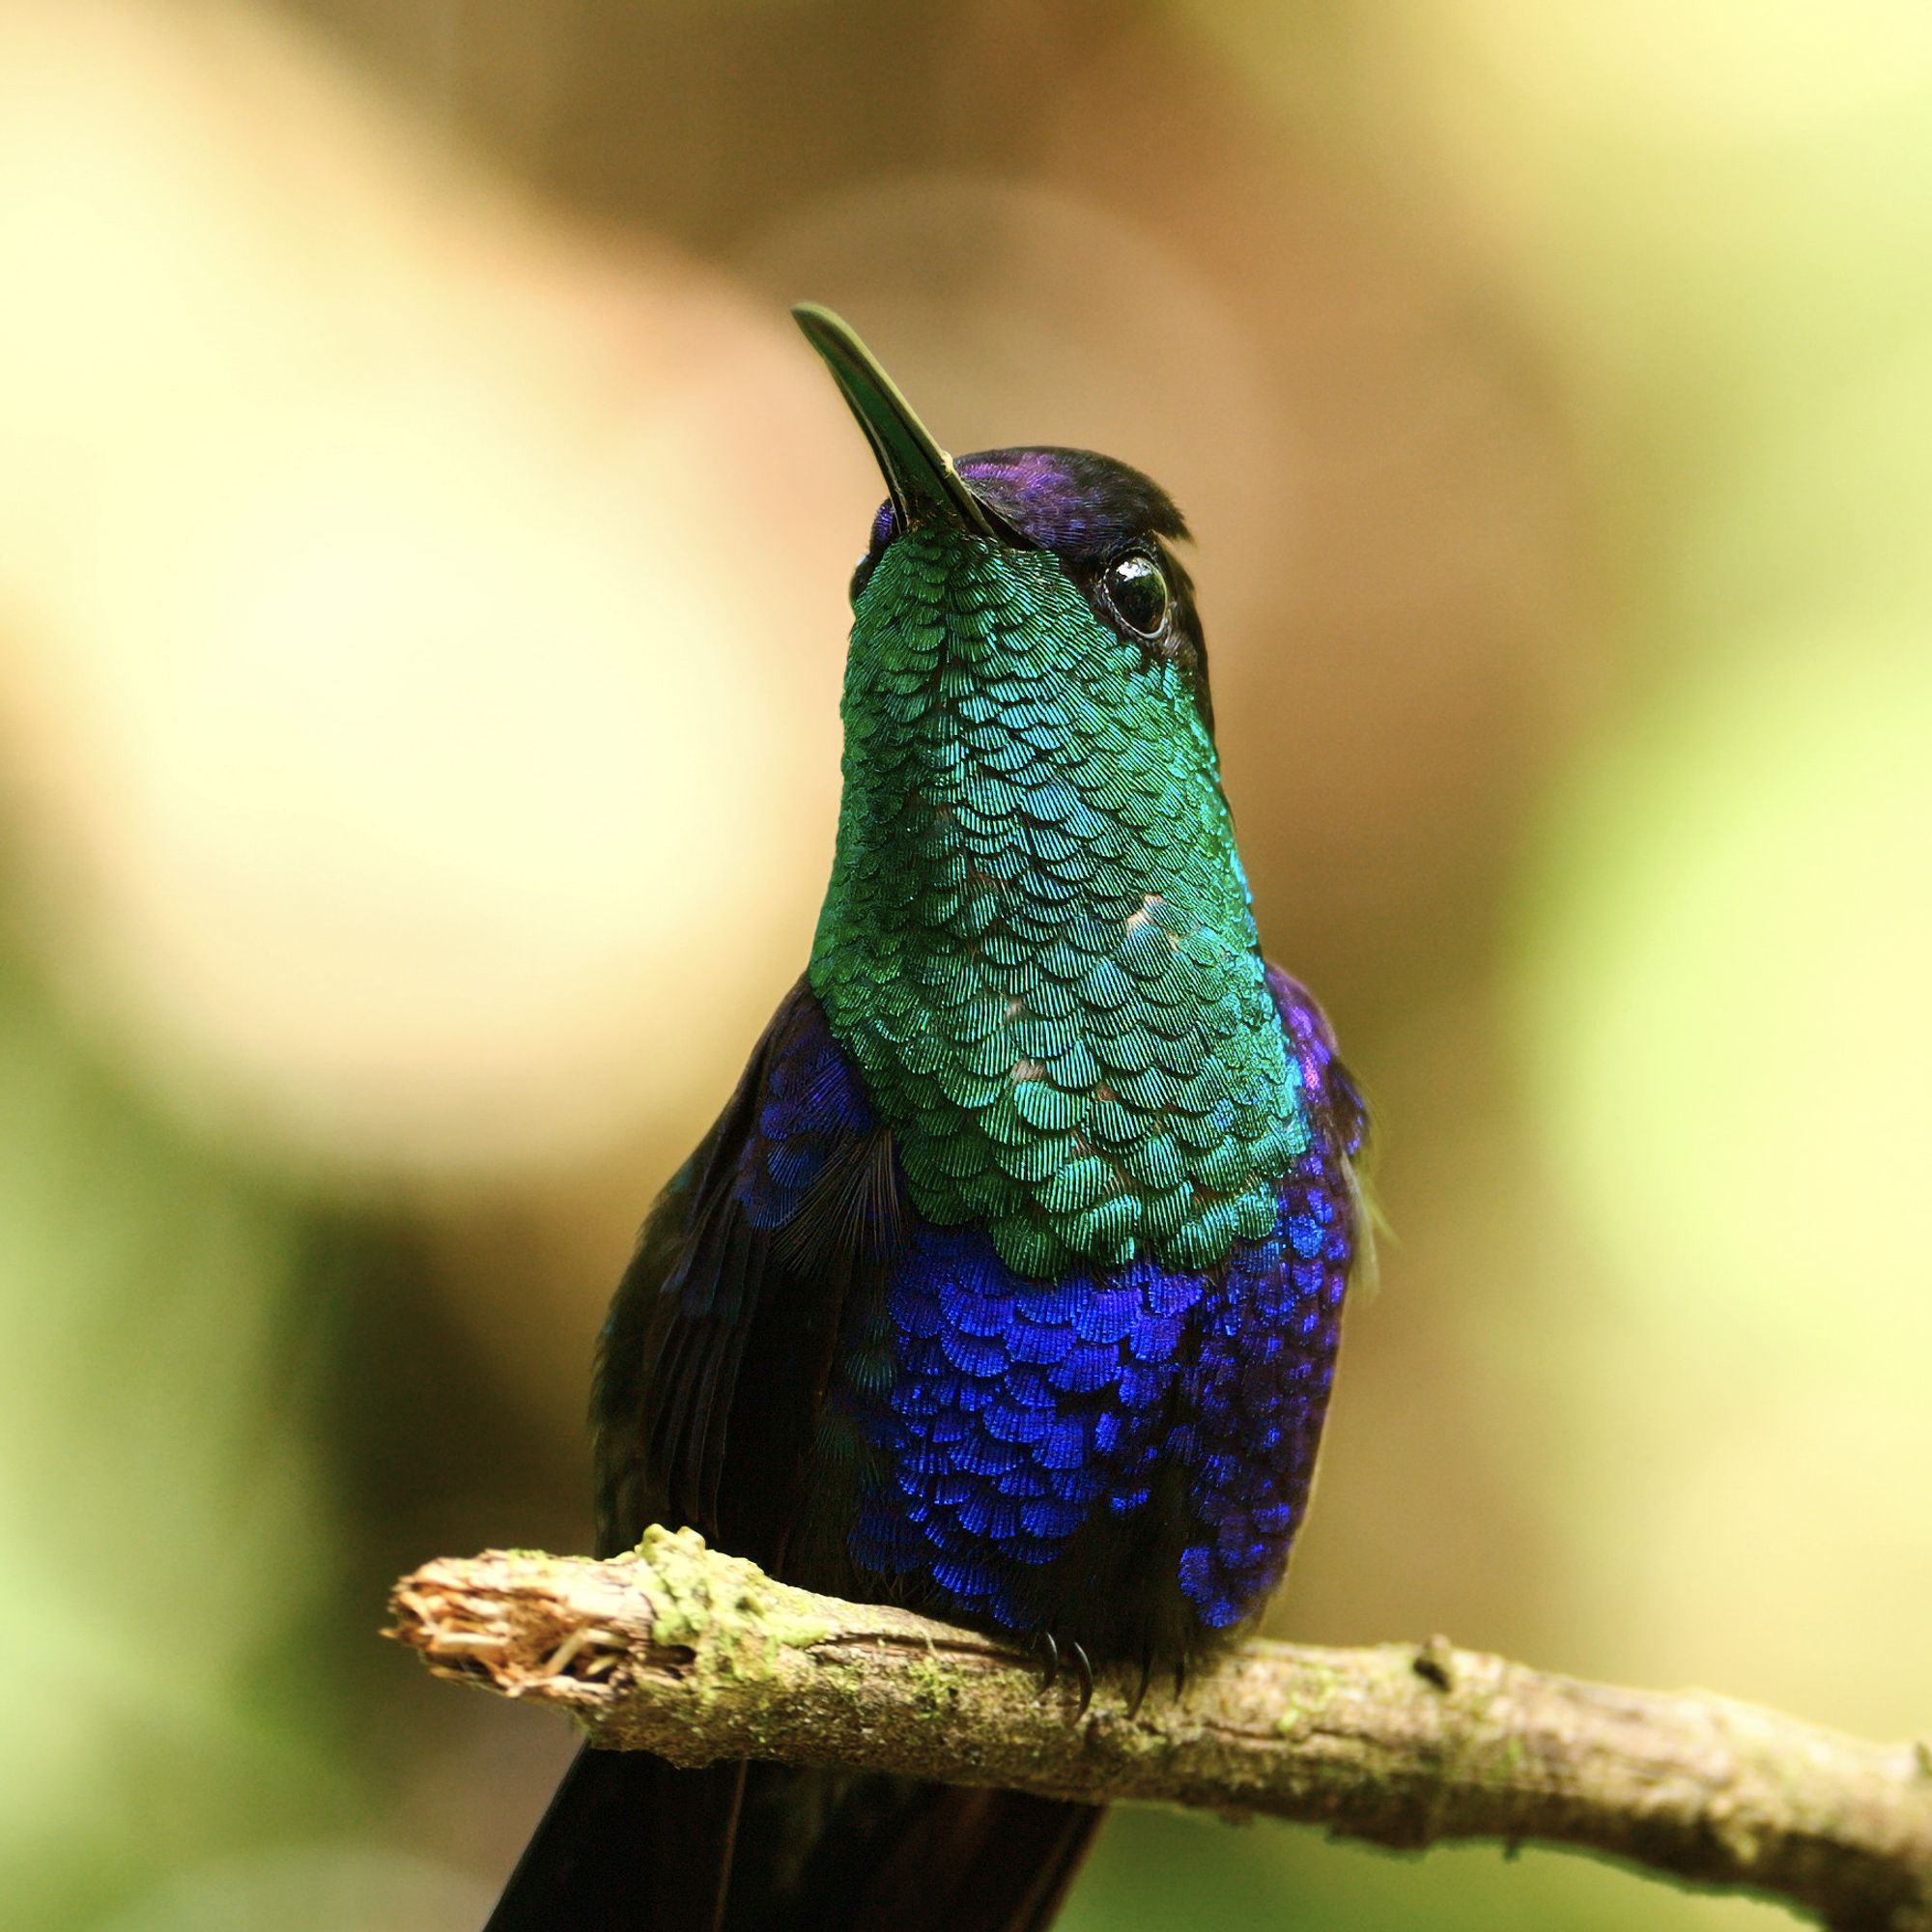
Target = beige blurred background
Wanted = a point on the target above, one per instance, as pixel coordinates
(422, 551)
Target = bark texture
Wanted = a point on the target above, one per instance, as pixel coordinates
(698, 1656)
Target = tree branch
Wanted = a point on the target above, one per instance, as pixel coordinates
(698, 1655)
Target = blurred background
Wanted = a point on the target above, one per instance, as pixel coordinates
(422, 551)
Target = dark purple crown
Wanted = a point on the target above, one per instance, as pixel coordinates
(1087, 510)
(1081, 505)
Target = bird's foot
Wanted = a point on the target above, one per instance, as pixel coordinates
(1049, 1661)
(1084, 1670)
(1052, 1655)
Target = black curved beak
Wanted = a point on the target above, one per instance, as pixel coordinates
(925, 486)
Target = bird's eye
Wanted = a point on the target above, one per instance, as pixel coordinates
(1136, 592)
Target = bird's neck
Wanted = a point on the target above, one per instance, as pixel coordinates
(1037, 943)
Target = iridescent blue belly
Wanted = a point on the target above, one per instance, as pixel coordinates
(1120, 1459)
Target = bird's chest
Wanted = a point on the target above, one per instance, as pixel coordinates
(1119, 1458)
(1089, 1071)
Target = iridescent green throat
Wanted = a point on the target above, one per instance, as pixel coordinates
(1038, 942)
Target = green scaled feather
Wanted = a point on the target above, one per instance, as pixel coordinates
(1038, 942)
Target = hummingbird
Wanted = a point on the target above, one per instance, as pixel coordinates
(1009, 1284)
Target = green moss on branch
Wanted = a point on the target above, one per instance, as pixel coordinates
(698, 1655)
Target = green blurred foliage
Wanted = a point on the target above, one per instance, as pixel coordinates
(1173, 1869)
(163, 1524)
(1580, 730)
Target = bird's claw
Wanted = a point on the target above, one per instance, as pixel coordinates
(1084, 1670)
(1049, 1662)
(1050, 1656)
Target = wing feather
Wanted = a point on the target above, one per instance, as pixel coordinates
(722, 1337)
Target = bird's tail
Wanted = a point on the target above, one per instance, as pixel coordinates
(630, 1844)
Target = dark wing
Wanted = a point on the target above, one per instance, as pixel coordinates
(712, 1371)
(720, 1341)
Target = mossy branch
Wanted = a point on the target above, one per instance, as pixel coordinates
(698, 1655)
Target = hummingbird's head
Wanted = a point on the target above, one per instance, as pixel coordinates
(1107, 529)
(1037, 942)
